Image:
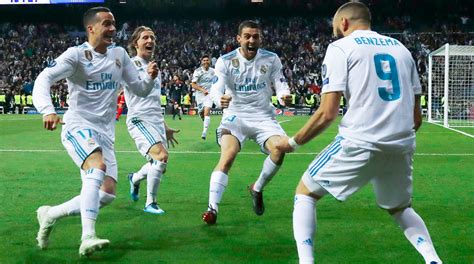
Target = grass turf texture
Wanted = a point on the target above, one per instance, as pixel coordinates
(352, 232)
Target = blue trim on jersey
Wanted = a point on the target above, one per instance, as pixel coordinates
(265, 52)
(77, 147)
(145, 132)
(82, 46)
(325, 156)
(229, 55)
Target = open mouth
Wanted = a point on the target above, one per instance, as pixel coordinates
(149, 48)
(252, 48)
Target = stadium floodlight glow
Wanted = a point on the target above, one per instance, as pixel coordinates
(451, 88)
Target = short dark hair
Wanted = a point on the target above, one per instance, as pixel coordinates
(205, 56)
(90, 14)
(248, 24)
(359, 12)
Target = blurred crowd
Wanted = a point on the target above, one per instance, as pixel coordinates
(25, 49)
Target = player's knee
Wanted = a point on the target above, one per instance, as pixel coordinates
(395, 210)
(158, 165)
(105, 198)
(277, 156)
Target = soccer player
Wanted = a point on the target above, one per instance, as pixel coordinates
(94, 71)
(176, 92)
(376, 139)
(120, 105)
(202, 82)
(243, 88)
(146, 124)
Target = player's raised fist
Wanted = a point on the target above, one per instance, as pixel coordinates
(225, 101)
(152, 69)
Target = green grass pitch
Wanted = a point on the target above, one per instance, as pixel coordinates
(35, 170)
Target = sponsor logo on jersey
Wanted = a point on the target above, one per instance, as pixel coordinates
(263, 69)
(88, 55)
(138, 63)
(235, 63)
(117, 62)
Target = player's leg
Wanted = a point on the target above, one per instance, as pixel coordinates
(230, 146)
(119, 112)
(340, 169)
(207, 104)
(394, 189)
(304, 219)
(135, 178)
(159, 156)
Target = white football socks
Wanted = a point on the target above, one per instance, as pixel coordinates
(217, 186)
(89, 200)
(268, 171)
(304, 225)
(416, 232)
(207, 121)
(153, 180)
(141, 174)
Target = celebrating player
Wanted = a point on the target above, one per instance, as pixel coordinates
(201, 82)
(94, 71)
(246, 75)
(146, 124)
(376, 138)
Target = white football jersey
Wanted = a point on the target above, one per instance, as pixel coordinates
(378, 77)
(249, 82)
(203, 78)
(93, 79)
(149, 107)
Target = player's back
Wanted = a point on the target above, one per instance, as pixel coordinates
(381, 83)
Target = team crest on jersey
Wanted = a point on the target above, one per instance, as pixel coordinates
(235, 63)
(91, 142)
(88, 55)
(263, 69)
(117, 62)
(138, 63)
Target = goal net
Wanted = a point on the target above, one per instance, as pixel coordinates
(451, 87)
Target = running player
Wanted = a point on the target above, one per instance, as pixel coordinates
(94, 71)
(243, 88)
(201, 82)
(146, 124)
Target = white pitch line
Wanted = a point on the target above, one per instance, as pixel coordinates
(284, 121)
(20, 119)
(455, 130)
(218, 152)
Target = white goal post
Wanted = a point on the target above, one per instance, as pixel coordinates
(451, 86)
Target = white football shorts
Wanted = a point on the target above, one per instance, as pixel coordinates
(203, 101)
(259, 130)
(343, 168)
(81, 141)
(146, 134)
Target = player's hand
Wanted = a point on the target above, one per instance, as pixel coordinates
(152, 69)
(225, 101)
(287, 99)
(51, 121)
(170, 136)
(284, 146)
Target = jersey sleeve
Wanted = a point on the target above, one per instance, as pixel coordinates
(334, 70)
(139, 85)
(278, 79)
(196, 76)
(415, 79)
(219, 82)
(62, 67)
